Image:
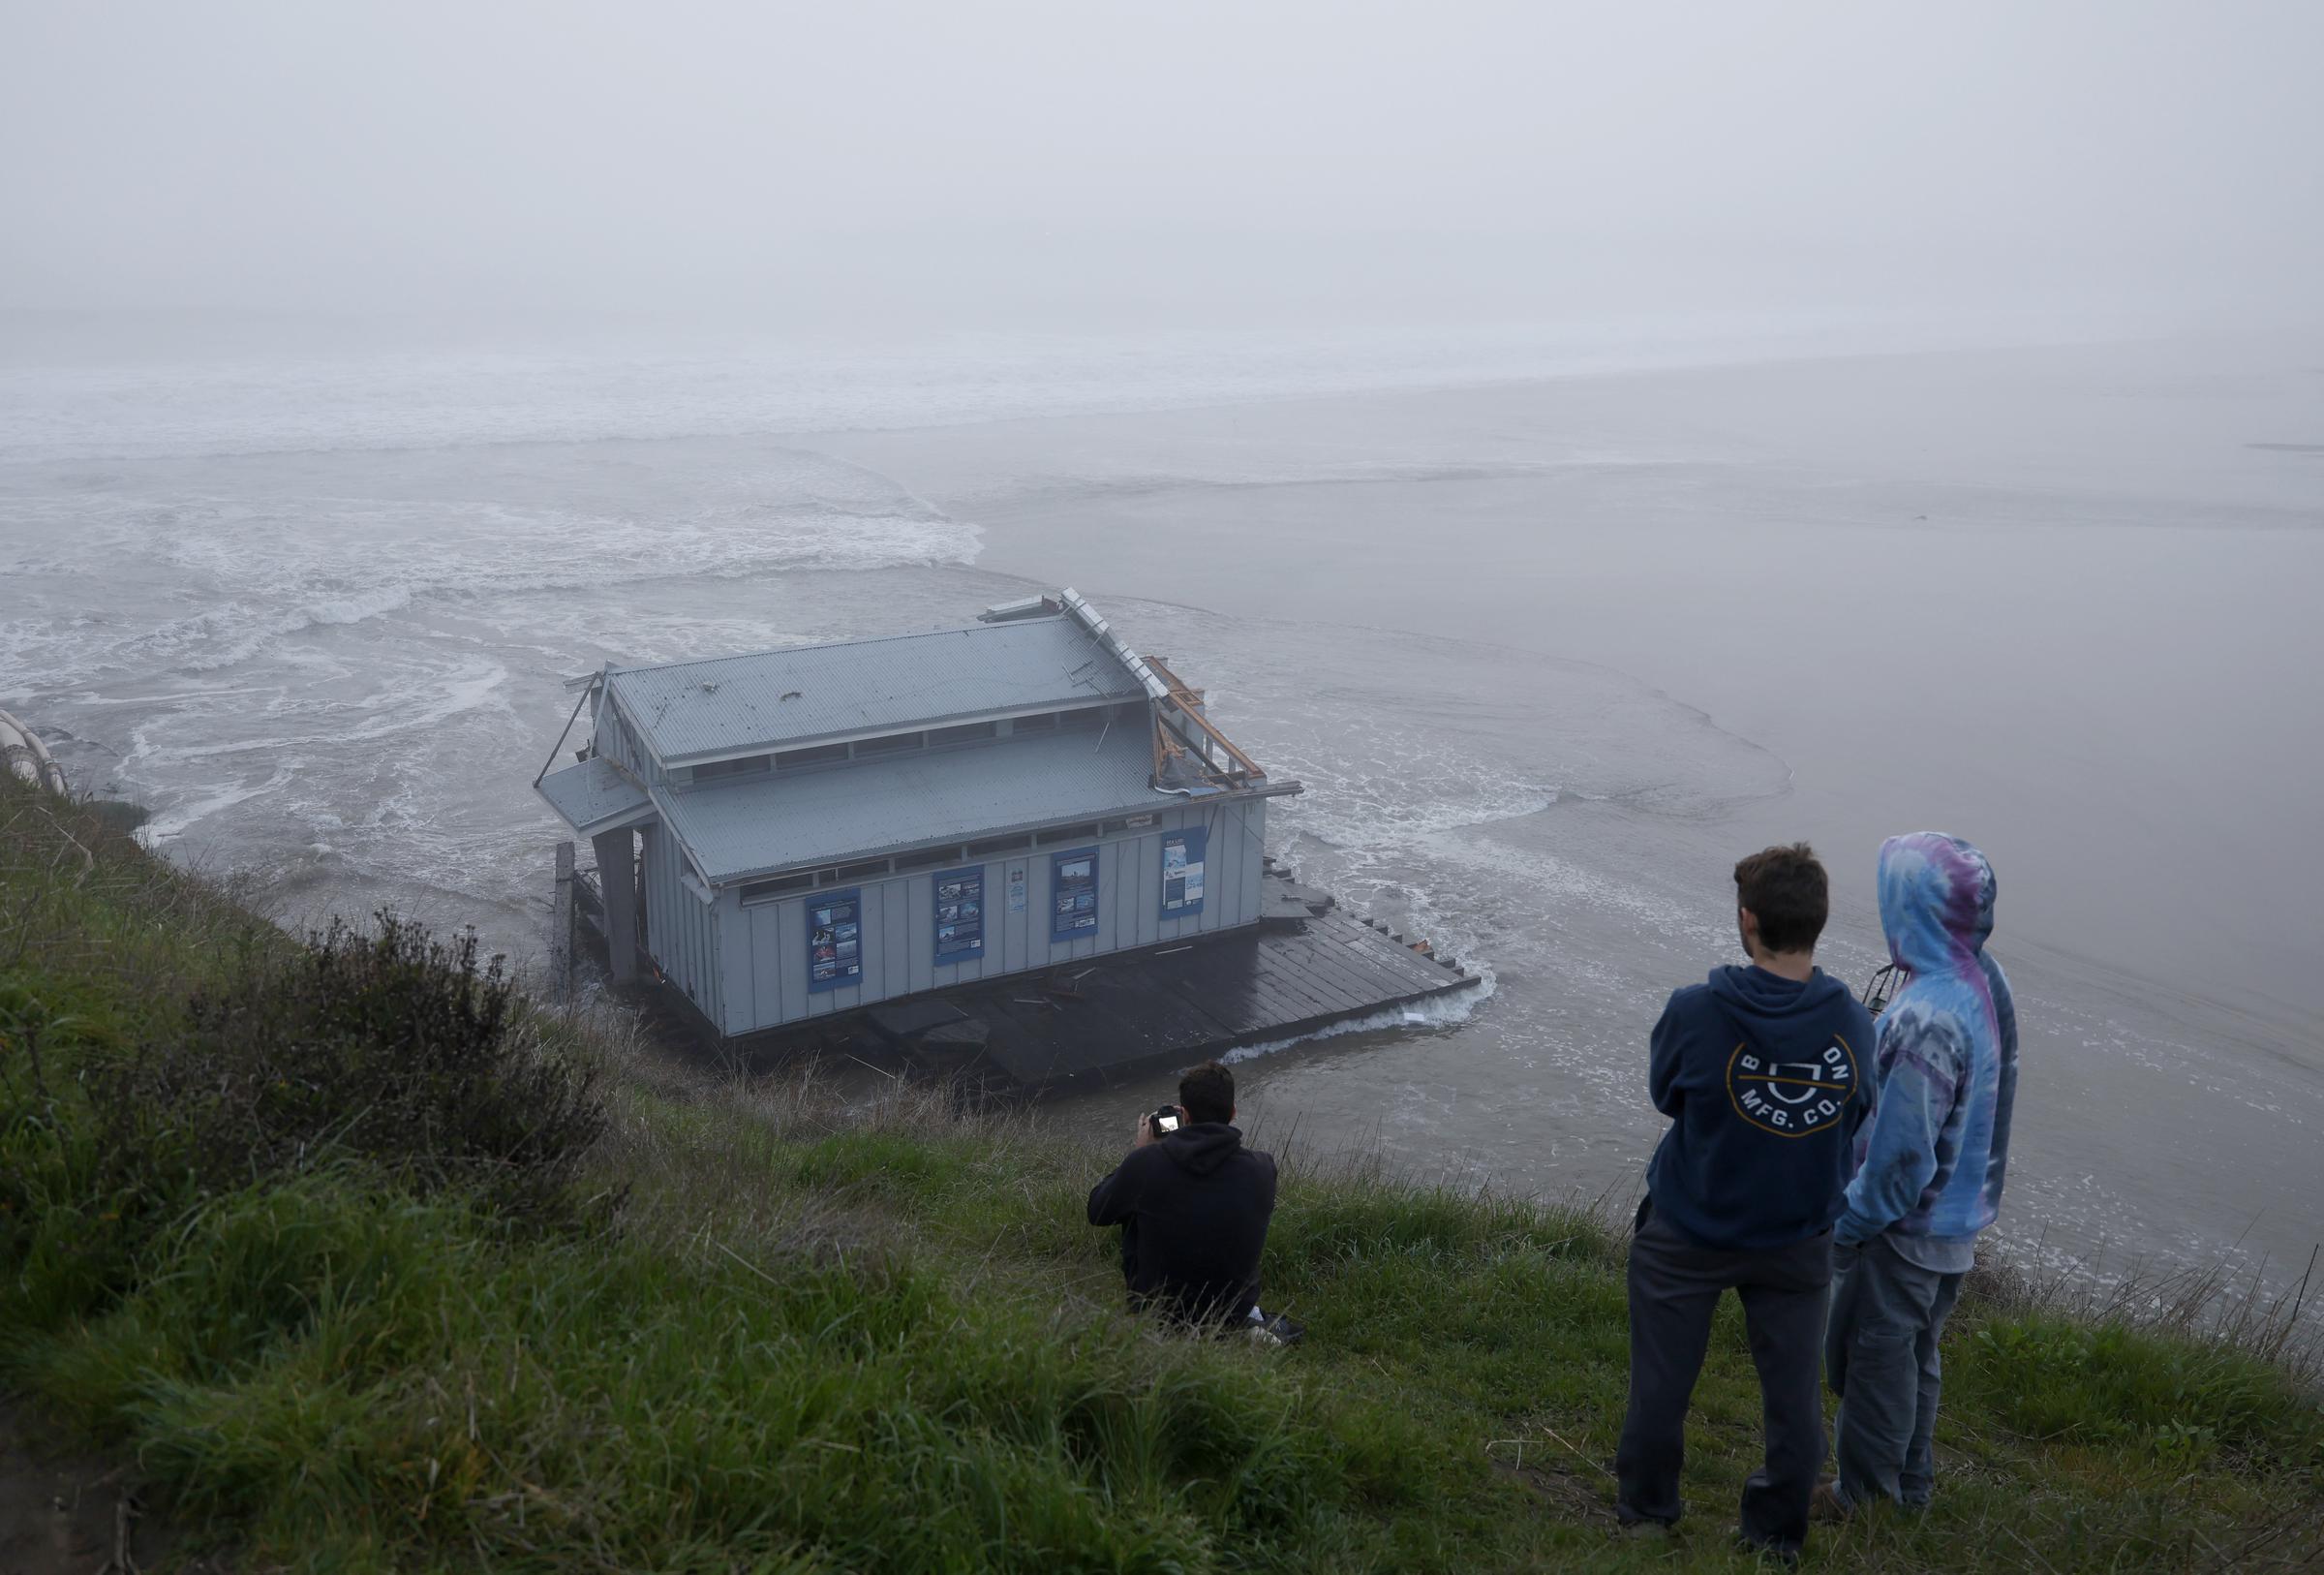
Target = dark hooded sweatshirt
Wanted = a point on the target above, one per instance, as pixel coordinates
(1193, 1209)
(1765, 1080)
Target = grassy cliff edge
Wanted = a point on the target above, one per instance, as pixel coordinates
(627, 1319)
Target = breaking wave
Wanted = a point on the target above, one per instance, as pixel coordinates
(227, 559)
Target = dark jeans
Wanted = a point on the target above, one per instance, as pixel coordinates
(1880, 1352)
(1230, 1312)
(1675, 1287)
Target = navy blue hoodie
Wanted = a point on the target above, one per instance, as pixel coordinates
(1765, 1080)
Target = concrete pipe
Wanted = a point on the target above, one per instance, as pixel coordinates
(24, 756)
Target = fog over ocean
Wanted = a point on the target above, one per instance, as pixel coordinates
(1553, 621)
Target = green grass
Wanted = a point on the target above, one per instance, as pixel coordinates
(820, 1337)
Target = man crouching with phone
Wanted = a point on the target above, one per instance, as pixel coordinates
(1193, 1205)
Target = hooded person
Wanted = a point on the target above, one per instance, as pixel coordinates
(1928, 1168)
(1762, 1071)
(1193, 1205)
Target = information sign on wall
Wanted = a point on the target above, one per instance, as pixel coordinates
(1183, 858)
(835, 940)
(959, 916)
(1073, 895)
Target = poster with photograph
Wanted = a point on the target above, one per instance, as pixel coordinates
(1073, 895)
(835, 940)
(960, 902)
(1184, 855)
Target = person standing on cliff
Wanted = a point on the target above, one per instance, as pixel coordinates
(1929, 1172)
(1762, 1071)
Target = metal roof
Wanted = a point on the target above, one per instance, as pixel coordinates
(595, 795)
(740, 830)
(783, 699)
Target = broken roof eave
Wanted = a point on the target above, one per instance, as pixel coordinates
(1263, 789)
(596, 796)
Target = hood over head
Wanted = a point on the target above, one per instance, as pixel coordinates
(1936, 901)
(1201, 1146)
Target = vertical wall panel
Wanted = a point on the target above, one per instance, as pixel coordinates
(790, 961)
(1018, 952)
(1222, 860)
(1149, 881)
(657, 930)
(1147, 888)
(920, 933)
(738, 1011)
(896, 948)
(1254, 847)
(867, 939)
(1119, 926)
(1194, 924)
(766, 979)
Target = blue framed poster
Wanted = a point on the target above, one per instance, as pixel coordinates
(1073, 895)
(835, 940)
(1182, 857)
(959, 916)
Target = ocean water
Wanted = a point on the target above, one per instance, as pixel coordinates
(1553, 623)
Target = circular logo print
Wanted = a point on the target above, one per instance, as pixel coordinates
(1791, 1099)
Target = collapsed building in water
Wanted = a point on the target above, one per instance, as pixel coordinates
(805, 833)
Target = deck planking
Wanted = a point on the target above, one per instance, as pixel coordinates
(1140, 1013)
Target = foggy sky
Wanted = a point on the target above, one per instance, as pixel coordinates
(1187, 158)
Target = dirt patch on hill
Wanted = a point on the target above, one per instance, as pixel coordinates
(69, 1513)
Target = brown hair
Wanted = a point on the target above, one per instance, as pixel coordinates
(1207, 1092)
(1788, 892)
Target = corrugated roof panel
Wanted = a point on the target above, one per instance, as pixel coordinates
(746, 828)
(593, 795)
(780, 699)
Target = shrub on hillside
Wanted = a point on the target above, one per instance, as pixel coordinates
(390, 1046)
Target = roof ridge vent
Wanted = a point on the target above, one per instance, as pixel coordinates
(1009, 613)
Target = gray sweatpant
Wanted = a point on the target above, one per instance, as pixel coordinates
(1880, 1357)
(1674, 1289)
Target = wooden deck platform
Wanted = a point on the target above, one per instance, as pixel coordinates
(1306, 966)
(1094, 1023)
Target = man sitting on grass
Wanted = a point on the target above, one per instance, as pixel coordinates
(1193, 1205)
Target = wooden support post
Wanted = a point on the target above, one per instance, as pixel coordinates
(561, 926)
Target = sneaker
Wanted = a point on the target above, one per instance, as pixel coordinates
(1287, 1331)
(1825, 1505)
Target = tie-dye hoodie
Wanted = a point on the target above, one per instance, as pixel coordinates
(1930, 1162)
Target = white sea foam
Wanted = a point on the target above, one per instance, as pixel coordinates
(174, 820)
(198, 568)
(1439, 1011)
